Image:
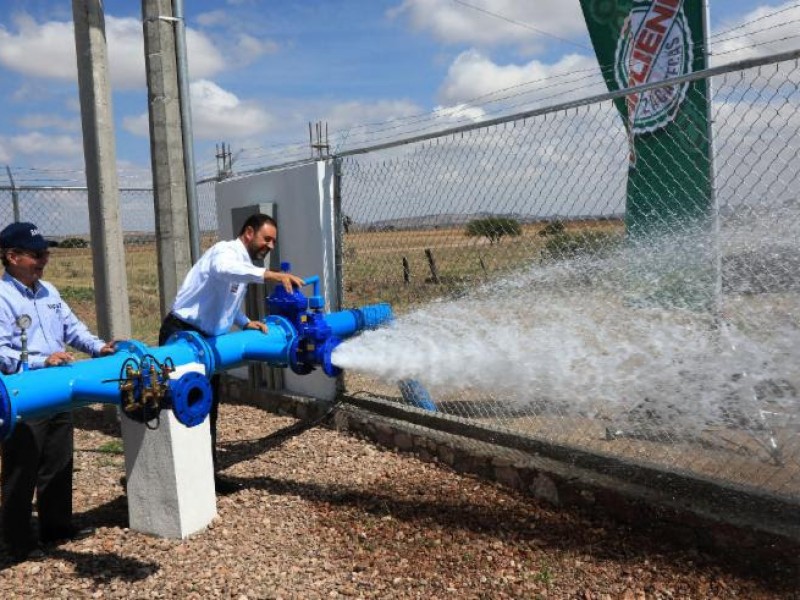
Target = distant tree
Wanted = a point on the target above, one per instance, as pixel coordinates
(347, 221)
(74, 242)
(552, 228)
(493, 228)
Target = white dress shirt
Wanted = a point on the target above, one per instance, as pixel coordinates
(211, 295)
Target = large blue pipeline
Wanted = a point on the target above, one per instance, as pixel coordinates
(144, 379)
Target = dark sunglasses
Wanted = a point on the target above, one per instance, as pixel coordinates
(37, 254)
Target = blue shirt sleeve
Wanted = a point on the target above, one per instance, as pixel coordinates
(77, 335)
(9, 355)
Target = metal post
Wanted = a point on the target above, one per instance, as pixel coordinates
(14, 195)
(185, 102)
(717, 243)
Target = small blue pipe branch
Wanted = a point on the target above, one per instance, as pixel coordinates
(143, 379)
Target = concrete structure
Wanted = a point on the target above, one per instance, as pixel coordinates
(108, 254)
(302, 198)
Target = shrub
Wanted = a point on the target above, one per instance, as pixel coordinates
(493, 228)
(74, 242)
(552, 228)
(579, 243)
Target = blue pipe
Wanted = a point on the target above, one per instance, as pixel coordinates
(415, 394)
(299, 336)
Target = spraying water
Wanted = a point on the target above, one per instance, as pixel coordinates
(682, 331)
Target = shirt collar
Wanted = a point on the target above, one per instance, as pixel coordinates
(23, 289)
(243, 249)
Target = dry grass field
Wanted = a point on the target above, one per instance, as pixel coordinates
(374, 271)
(70, 270)
(373, 268)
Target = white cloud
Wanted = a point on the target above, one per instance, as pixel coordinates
(350, 114)
(757, 34)
(219, 114)
(216, 114)
(212, 17)
(49, 121)
(455, 22)
(47, 50)
(204, 58)
(356, 123)
(41, 50)
(459, 113)
(39, 145)
(249, 48)
(473, 75)
(138, 125)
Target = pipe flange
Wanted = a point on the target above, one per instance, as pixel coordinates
(328, 347)
(298, 366)
(190, 395)
(202, 350)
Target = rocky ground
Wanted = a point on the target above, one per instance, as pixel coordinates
(325, 515)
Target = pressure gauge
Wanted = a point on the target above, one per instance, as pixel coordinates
(24, 321)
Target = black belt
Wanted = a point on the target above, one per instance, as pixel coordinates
(179, 323)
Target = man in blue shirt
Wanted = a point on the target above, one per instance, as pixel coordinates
(38, 455)
(210, 299)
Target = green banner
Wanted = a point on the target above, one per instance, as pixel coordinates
(645, 41)
(669, 198)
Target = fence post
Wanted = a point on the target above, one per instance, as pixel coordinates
(14, 195)
(406, 271)
(432, 264)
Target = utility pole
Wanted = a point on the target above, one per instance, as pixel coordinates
(166, 149)
(170, 473)
(108, 252)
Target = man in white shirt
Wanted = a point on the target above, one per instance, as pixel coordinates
(210, 299)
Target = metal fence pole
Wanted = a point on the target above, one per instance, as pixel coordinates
(14, 195)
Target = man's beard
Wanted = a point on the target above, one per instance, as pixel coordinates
(255, 255)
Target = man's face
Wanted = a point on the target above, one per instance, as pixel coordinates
(260, 242)
(27, 266)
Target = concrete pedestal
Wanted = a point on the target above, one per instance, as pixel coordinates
(170, 476)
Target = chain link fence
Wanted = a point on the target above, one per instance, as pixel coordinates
(530, 303)
(62, 214)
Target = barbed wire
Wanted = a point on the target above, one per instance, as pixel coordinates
(435, 116)
(424, 121)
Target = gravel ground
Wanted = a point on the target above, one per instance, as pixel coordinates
(325, 515)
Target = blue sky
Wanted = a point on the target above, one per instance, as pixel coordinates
(261, 70)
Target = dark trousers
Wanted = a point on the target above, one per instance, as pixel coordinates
(173, 324)
(37, 457)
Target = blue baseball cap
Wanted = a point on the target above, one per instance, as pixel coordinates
(25, 236)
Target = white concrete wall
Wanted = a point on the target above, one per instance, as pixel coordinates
(304, 199)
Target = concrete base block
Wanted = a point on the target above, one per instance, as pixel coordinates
(170, 476)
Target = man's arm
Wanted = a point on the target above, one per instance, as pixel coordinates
(227, 264)
(9, 355)
(77, 335)
(286, 279)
